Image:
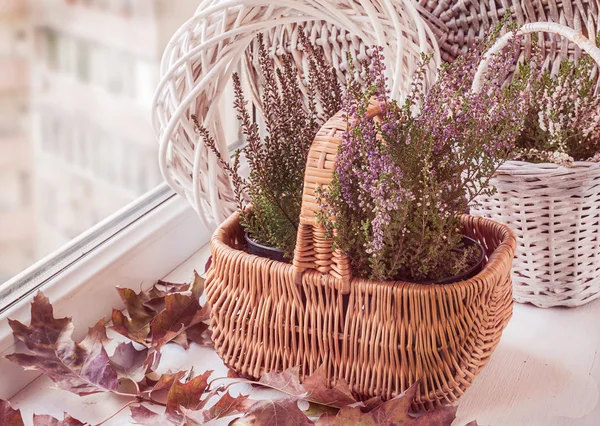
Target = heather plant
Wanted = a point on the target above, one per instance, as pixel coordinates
(563, 112)
(277, 162)
(402, 181)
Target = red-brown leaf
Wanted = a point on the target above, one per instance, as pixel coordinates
(200, 334)
(317, 390)
(226, 406)
(157, 304)
(166, 381)
(129, 363)
(143, 416)
(80, 368)
(197, 286)
(9, 416)
(46, 420)
(287, 382)
(186, 395)
(163, 314)
(181, 311)
(232, 374)
(371, 403)
(394, 412)
(134, 303)
(162, 288)
(313, 389)
(181, 339)
(181, 398)
(281, 412)
(156, 295)
(137, 325)
(128, 328)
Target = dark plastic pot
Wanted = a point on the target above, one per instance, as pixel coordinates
(469, 273)
(272, 253)
(261, 250)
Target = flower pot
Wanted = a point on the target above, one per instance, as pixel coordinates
(262, 250)
(473, 270)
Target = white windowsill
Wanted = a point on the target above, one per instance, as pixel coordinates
(545, 371)
(135, 252)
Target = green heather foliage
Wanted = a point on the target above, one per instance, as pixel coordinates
(277, 162)
(563, 112)
(401, 183)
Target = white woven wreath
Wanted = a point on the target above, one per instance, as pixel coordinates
(205, 51)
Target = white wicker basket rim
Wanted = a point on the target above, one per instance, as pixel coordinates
(546, 169)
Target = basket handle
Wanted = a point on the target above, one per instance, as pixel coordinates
(314, 250)
(546, 27)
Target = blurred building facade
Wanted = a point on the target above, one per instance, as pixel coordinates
(94, 72)
(17, 237)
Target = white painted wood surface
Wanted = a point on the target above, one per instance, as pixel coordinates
(544, 373)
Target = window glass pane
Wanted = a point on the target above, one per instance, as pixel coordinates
(76, 141)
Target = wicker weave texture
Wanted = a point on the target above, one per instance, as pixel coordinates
(379, 336)
(460, 24)
(555, 213)
(202, 55)
(313, 247)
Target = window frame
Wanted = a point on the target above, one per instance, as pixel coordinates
(127, 249)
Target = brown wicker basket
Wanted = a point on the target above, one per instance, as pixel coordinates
(379, 336)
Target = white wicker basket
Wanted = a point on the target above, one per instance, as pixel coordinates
(202, 55)
(555, 214)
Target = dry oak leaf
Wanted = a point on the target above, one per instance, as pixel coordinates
(156, 295)
(46, 420)
(143, 416)
(279, 412)
(200, 334)
(185, 404)
(226, 406)
(338, 396)
(79, 368)
(187, 396)
(313, 389)
(129, 363)
(166, 313)
(137, 325)
(181, 396)
(166, 381)
(9, 416)
(181, 312)
(394, 412)
(286, 382)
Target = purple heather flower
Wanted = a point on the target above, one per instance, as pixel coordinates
(454, 141)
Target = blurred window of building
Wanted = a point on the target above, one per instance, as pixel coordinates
(9, 188)
(113, 62)
(24, 188)
(51, 48)
(77, 79)
(145, 81)
(83, 61)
